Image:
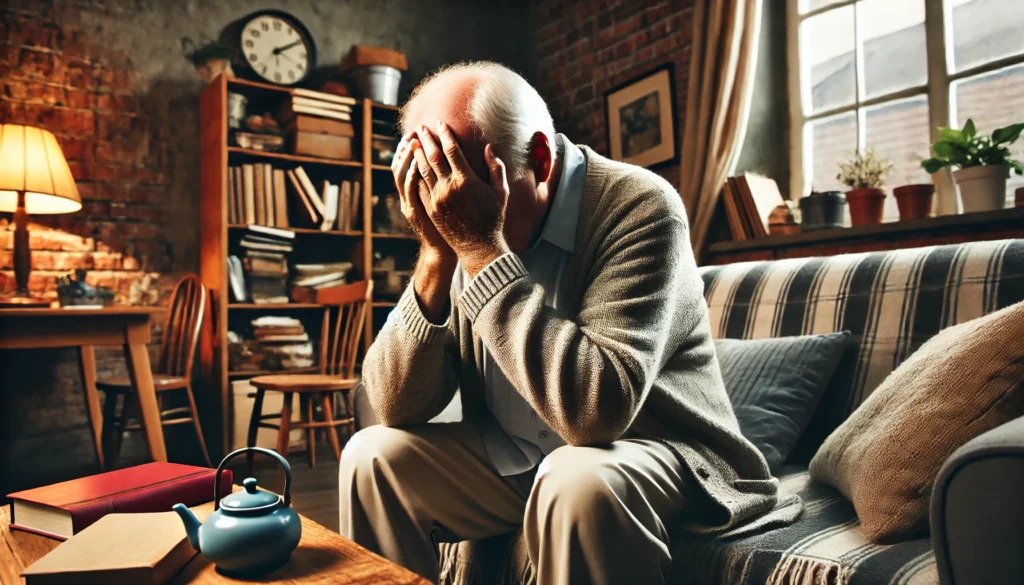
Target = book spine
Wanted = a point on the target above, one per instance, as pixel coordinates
(191, 491)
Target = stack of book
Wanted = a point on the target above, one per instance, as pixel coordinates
(263, 272)
(319, 124)
(333, 207)
(749, 200)
(257, 195)
(309, 278)
(285, 343)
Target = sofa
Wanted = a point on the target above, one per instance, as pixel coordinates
(891, 302)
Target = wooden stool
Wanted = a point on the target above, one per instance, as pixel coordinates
(173, 372)
(339, 343)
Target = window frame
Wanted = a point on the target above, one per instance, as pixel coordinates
(937, 89)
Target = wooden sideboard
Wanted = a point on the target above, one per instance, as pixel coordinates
(931, 231)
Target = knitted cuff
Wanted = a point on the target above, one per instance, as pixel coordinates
(489, 282)
(415, 322)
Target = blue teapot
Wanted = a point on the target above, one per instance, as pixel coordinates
(249, 532)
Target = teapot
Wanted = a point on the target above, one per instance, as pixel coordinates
(249, 532)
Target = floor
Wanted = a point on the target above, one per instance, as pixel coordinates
(314, 489)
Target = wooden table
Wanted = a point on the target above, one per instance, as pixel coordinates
(322, 557)
(84, 328)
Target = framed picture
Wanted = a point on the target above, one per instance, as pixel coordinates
(641, 115)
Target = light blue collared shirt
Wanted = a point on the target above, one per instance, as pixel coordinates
(522, 438)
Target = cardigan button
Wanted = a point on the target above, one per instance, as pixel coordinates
(703, 472)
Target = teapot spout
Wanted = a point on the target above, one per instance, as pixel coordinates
(191, 524)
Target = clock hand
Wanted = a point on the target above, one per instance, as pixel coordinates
(284, 48)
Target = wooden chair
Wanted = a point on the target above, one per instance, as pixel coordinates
(339, 338)
(173, 372)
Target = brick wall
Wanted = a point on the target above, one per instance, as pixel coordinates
(580, 50)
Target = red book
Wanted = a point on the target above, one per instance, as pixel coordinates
(64, 509)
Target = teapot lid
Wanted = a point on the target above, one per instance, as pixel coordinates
(249, 500)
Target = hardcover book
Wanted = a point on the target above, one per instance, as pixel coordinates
(65, 509)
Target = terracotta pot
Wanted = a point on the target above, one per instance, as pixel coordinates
(866, 206)
(1018, 197)
(914, 201)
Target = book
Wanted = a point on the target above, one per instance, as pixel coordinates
(356, 204)
(330, 206)
(275, 321)
(760, 195)
(238, 195)
(249, 187)
(321, 145)
(310, 191)
(289, 111)
(264, 331)
(236, 279)
(314, 269)
(318, 279)
(260, 198)
(272, 232)
(308, 212)
(232, 212)
(280, 200)
(268, 195)
(314, 125)
(739, 233)
(284, 338)
(119, 549)
(344, 204)
(64, 509)
(322, 104)
(252, 244)
(324, 96)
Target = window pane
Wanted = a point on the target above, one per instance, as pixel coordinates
(898, 131)
(826, 59)
(894, 45)
(993, 100)
(829, 141)
(985, 30)
(809, 5)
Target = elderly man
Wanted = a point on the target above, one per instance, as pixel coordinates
(558, 291)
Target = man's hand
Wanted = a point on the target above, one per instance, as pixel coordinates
(411, 188)
(468, 212)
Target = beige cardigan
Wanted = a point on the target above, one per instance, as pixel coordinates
(635, 357)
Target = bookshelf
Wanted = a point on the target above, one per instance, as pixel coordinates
(219, 238)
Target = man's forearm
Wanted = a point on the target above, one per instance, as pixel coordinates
(432, 282)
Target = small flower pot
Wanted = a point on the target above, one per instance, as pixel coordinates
(866, 206)
(982, 188)
(914, 201)
(819, 211)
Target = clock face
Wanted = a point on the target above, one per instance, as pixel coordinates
(277, 48)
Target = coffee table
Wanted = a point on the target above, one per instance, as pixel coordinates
(322, 557)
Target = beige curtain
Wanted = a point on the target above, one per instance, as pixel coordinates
(722, 62)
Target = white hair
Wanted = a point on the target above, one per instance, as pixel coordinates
(504, 108)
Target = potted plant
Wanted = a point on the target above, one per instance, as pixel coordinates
(865, 174)
(210, 60)
(982, 163)
(914, 201)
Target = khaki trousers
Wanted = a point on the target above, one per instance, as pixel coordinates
(592, 515)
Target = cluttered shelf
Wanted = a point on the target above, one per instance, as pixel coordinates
(294, 157)
(986, 225)
(353, 234)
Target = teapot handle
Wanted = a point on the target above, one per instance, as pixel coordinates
(275, 454)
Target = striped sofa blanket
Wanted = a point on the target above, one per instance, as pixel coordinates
(891, 302)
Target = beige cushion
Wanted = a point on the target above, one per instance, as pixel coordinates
(964, 381)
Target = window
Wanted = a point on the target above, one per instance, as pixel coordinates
(882, 74)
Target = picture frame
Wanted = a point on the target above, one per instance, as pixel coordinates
(641, 120)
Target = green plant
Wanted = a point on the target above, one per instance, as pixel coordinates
(864, 171)
(210, 51)
(964, 148)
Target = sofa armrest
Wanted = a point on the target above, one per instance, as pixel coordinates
(977, 510)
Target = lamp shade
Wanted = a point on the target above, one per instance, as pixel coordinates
(32, 162)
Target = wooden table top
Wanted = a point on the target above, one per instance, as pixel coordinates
(322, 557)
(117, 311)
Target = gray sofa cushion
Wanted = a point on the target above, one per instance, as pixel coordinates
(775, 384)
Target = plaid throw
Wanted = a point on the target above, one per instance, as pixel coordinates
(891, 302)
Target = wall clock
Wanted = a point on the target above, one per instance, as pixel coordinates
(276, 47)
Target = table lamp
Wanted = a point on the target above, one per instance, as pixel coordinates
(34, 178)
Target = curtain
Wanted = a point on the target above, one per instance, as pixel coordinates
(722, 62)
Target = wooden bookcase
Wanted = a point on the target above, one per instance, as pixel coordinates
(218, 238)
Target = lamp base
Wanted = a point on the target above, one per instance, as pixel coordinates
(24, 301)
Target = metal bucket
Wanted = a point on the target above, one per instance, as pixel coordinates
(378, 83)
